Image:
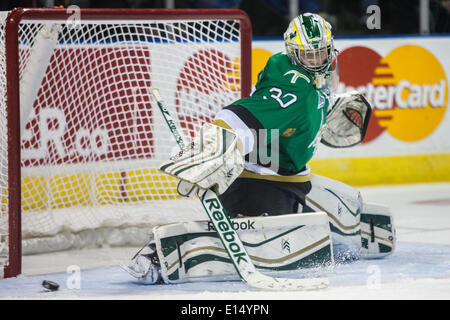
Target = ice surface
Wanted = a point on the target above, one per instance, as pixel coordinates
(418, 269)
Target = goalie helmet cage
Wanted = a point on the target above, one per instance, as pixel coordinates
(79, 132)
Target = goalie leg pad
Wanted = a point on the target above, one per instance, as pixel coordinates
(377, 231)
(358, 229)
(192, 251)
(342, 204)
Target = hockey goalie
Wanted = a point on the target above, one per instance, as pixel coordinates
(254, 155)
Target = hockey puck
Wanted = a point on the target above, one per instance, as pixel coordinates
(50, 285)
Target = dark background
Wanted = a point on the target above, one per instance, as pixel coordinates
(270, 18)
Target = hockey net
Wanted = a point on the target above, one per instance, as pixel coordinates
(90, 135)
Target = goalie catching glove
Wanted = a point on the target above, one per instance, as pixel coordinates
(347, 121)
(213, 160)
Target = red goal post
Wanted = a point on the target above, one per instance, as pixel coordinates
(77, 129)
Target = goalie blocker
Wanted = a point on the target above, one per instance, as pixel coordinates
(213, 160)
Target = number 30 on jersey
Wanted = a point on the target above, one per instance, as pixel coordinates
(285, 100)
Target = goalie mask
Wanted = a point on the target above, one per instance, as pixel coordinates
(310, 45)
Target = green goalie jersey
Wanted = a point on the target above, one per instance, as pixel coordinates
(285, 113)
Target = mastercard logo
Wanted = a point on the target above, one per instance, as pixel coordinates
(408, 89)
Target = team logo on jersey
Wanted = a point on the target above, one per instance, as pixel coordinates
(296, 75)
(289, 132)
(407, 88)
(321, 102)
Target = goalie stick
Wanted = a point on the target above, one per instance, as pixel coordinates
(229, 238)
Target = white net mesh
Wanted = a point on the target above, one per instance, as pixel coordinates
(92, 137)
